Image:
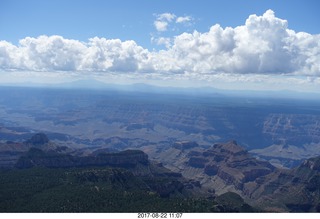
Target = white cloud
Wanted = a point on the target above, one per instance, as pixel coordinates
(264, 46)
(113, 56)
(55, 53)
(50, 53)
(185, 19)
(163, 20)
(166, 41)
(166, 17)
(161, 25)
(9, 56)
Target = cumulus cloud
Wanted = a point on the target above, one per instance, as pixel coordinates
(9, 56)
(55, 53)
(163, 20)
(161, 25)
(166, 17)
(166, 41)
(185, 19)
(264, 45)
(50, 53)
(113, 55)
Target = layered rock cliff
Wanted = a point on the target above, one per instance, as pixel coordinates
(223, 167)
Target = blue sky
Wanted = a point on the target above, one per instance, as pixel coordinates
(155, 41)
(133, 20)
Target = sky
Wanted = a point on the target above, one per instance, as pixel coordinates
(230, 44)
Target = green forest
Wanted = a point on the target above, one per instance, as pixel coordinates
(98, 189)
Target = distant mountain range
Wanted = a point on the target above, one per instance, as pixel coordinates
(93, 84)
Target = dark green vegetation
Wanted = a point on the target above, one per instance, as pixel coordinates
(47, 179)
(96, 190)
(77, 190)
